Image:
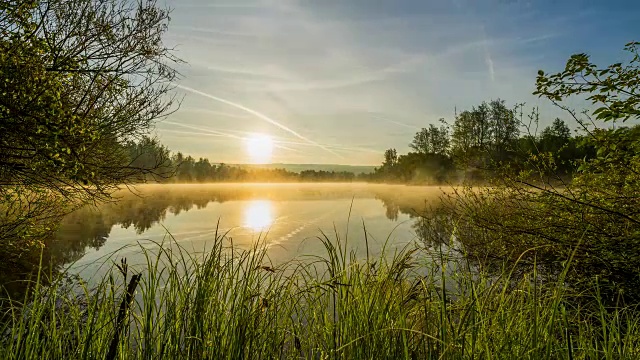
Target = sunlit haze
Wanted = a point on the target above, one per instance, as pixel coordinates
(340, 81)
(259, 148)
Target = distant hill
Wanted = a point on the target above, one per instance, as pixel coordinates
(356, 169)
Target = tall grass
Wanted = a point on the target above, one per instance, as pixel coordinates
(232, 304)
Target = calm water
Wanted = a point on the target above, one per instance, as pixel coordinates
(289, 217)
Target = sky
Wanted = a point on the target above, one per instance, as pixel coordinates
(340, 81)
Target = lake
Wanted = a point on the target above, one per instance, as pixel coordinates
(288, 218)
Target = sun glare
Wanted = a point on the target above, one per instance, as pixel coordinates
(259, 148)
(258, 215)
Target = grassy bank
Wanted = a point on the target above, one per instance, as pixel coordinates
(232, 304)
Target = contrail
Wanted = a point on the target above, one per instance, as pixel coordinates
(204, 129)
(337, 147)
(220, 113)
(224, 136)
(212, 132)
(382, 117)
(225, 132)
(278, 143)
(487, 56)
(191, 133)
(400, 123)
(258, 115)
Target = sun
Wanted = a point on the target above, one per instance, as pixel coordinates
(259, 148)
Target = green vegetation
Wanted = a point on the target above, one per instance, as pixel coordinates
(356, 169)
(189, 170)
(79, 79)
(542, 263)
(594, 214)
(550, 195)
(234, 304)
(185, 169)
(479, 144)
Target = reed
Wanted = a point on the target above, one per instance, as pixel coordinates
(230, 304)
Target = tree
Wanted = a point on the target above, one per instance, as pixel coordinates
(560, 129)
(505, 130)
(185, 167)
(539, 217)
(147, 154)
(424, 168)
(482, 125)
(472, 137)
(484, 136)
(203, 170)
(555, 136)
(462, 138)
(79, 80)
(615, 89)
(390, 158)
(431, 140)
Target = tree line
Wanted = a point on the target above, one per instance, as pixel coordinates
(479, 144)
(180, 168)
(481, 141)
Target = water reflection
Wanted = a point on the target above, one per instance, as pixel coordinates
(258, 215)
(93, 228)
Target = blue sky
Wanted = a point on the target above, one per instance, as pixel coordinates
(339, 81)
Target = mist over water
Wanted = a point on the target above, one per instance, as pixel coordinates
(287, 218)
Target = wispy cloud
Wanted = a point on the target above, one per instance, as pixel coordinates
(260, 116)
(227, 5)
(189, 30)
(214, 113)
(318, 70)
(395, 122)
(205, 131)
(244, 135)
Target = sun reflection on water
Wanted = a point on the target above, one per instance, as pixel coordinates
(258, 215)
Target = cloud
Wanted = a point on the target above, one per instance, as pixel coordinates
(318, 70)
(214, 112)
(222, 5)
(190, 30)
(258, 115)
(206, 130)
(278, 142)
